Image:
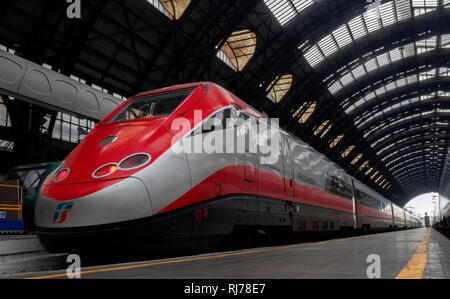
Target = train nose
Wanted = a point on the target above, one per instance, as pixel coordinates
(121, 201)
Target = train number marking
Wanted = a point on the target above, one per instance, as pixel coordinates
(201, 214)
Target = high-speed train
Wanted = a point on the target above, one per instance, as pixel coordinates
(442, 205)
(126, 184)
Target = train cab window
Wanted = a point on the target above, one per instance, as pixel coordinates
(155, 106)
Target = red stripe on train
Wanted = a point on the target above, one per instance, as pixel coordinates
(231, 180)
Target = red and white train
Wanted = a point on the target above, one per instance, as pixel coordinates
(124, 184)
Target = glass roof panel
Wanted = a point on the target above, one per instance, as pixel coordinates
(335, 87)
(328, 45)
(347, 151)
(357, 27)
(343, 36)
(359, 71)
(175, 8)
(347, 79)
(301, 5)
(356, 160)
(280, 87)
(403, 9)
(305, 111)
(336, 141)
(239, 48)
(387, 13)
(424, 6)
(445, 40)
(374, 175)
(283, 10)
(396, 55)
(364, 165)
(372, 20)
(314, 56)
(371, 65)
(383, 60)
(286, 10)
(377, 18)
(399, 119)
(402, 106)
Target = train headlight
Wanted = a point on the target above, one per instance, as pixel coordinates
(105, 170)
(56, 170)
(135, 161)
(62, 175)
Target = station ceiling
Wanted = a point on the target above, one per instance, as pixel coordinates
(366, 84)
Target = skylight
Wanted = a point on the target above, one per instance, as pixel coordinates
(372, 96)
(336, 141)
(239, 48)
(305, 112)
(380, 61)
(400, 119)
(6, 146)
(347, 151)
(173, 9)
(377, 18)
(280, 87)
(356, 160)
(285, 10)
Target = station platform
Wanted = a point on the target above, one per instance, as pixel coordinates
(24, 253)
(419, 253)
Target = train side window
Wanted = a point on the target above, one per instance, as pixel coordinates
(216, 122)
(339, 187)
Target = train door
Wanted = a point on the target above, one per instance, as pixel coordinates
(250, 156)
(393, 215)
(355, 206)
(404, 218)
(250, 167)
(289, 185)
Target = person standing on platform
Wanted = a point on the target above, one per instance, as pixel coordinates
(427, 220)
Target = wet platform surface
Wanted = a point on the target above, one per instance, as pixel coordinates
(398, 252)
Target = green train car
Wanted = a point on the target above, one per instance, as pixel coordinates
(30, 179)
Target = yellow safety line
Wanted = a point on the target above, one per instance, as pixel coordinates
(416, 265)
(9, 205)
(11, 209)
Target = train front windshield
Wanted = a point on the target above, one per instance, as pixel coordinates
(154, 106)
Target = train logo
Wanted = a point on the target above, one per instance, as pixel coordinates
(61, 212)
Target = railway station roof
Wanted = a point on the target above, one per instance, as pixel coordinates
(366, 84)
